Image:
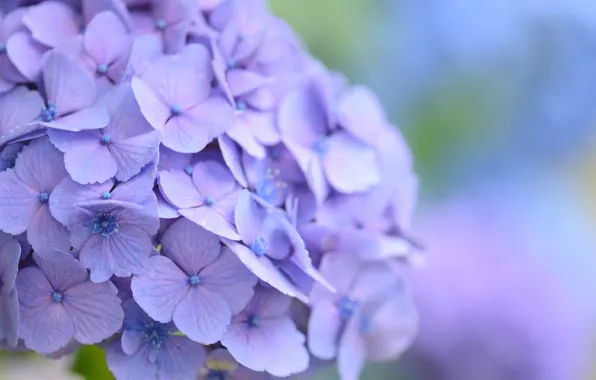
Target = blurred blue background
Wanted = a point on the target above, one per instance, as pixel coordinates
(497, 99)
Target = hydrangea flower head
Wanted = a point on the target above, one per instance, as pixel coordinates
(178, 179)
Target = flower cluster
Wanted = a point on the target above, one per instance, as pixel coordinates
(184, 185)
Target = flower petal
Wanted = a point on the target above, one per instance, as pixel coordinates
(95, 310)
(350, 165)
(18, 203)
(9, 318)
(86, 159)
(51, 22)
(190, 246)
(213, 179)
(159, 288)
(177, 188)
(323, 330)
(68, 85)
(229, 277)
(202, 315)
(47, 234)
(211, 220)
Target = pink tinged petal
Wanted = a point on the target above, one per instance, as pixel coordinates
(118, 7)
(248, 216)
(95, 310)
(47, 234)
(350, 165)
(301, 118)
(229, 277)
(241, 133)
(352, 351)
(264, 269)
(317, 182)
(106, 38)
(213, 179)
(191, 247)
(340, 269)
(395, 325)
(18, 107)
(94, 117)
(181, 134)
(263, 127)
(243, 81)
(51, 22)
(268, 347)
(26, 54)
(323, 330)
(232, 158)
(40, 165)
(53, 331)
(177, 188)
(211, 220)
(361, 113)
(202, 315)
(87, 160)
(18, 203)
(168, 78)
(68, 85)
(156, 112)
(9, 318)
(192, 130)
(159, 288)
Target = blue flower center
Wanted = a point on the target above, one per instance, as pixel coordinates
(194, 280)
(321, 146)
(241, 105)
(209, 201)
(105, 224)
(106, 139)
(102, 69)
(175, 110)
(155, 334)
(217, 374)
(44, 197)
(48, 113)
(259, 246)
(347, 306)
(57, 297)
(188, 170)
(106, 195)
(160, 24)
(2, 48)
(254, 321)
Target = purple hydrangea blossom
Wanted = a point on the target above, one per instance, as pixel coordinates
(25, 192)
(149, 349)
(204, 286)
(205, 193)
(72, 306)
(120, 150)
(327, 156)
(189, 117)
(191, 160)
(111, 229)
(262, 336)
(369, 318)
(10, 253)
